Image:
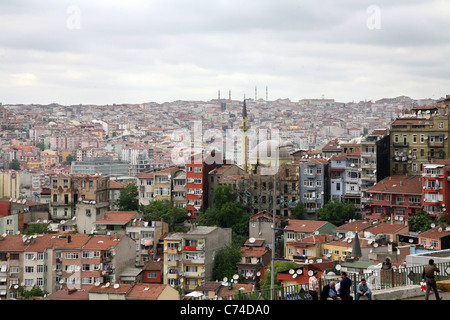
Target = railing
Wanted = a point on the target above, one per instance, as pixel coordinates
(377, 280)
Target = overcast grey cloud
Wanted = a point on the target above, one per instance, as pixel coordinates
(101, 52)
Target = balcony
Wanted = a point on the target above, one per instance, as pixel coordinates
(435, 144)
(402, 144)
(193, 274)
(194, 261)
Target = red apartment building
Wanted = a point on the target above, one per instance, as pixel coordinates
(197, 170)
(436, 187)
(397, 196)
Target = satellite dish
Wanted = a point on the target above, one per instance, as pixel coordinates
(294, 276)
(411, 240)
(316, 232)
(107, 284)
(375, 244)
(291, 271)
(116, 286)
(235, 276)
(251, 240)
(310, 273)
(16, 286)
(299, 271)
(97, 284)
(338, 267)
(258, 273)
(225, 279)
(433, 225)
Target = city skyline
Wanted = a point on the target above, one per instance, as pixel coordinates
(136, 52)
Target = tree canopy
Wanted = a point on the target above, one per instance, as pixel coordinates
(128, 198)
(226, 213)
(225, 262)
(421, 221)
(157, 210)
(337, 212)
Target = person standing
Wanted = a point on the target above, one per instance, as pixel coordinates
(346, 284)
(314, 286)
(428, 276)
(363, 290)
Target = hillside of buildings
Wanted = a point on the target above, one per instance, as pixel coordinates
(162, 201)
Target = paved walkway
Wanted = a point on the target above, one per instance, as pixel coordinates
(444, 294)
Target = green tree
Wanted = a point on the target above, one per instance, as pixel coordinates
(421, 221)
(337, 212)
(298, 212)
(280, 266)
(33, 292)
(37, 228)
(69, 160)
(14, 165)
(128, 198)
(227, 213)
(157, 210)
(225, 262)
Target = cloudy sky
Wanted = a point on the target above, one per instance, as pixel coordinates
(103, 52)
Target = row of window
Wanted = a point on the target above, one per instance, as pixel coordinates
(398, 198)
(422, 138)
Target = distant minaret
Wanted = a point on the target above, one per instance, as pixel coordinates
(218, 94)
(244, 127)
(256, 90)
(229, 95)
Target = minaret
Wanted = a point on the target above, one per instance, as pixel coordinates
(244, 127)
(356, 250)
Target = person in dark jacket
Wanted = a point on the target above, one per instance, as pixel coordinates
(428, 276)
(346, 284)
(329, 292)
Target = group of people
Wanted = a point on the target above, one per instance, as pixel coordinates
(342, 289)
(338, 291)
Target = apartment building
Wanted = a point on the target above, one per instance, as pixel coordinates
(397, 197)
(374, 161)
(436, 187)
(9, 185)
(189, 257)
(418, 138)
(314, 185)
(197, 183)
(83, 196)
(54, 262)
(296, 231)
(352, 174)
(147, 235)
(338, 163)
(146, 185)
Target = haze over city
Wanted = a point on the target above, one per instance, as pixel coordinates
(79, 52)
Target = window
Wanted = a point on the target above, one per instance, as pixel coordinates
(414, 138)
(191, 269)
(198, 169)
(29, 256)
(29, 282)
(441, 125)
(396, 138)
(29, 269)
(422, 138)
(151, 275)
(379, 197)
(71, 255)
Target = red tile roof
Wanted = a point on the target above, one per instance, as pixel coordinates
(116, 217)
(147, 291)
(121, 289)
(307, 226)
(68, 295)
(434, 233)
(116, 184)
(402, 184)
(253, 251)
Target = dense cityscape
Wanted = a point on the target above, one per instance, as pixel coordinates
(176, 201)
